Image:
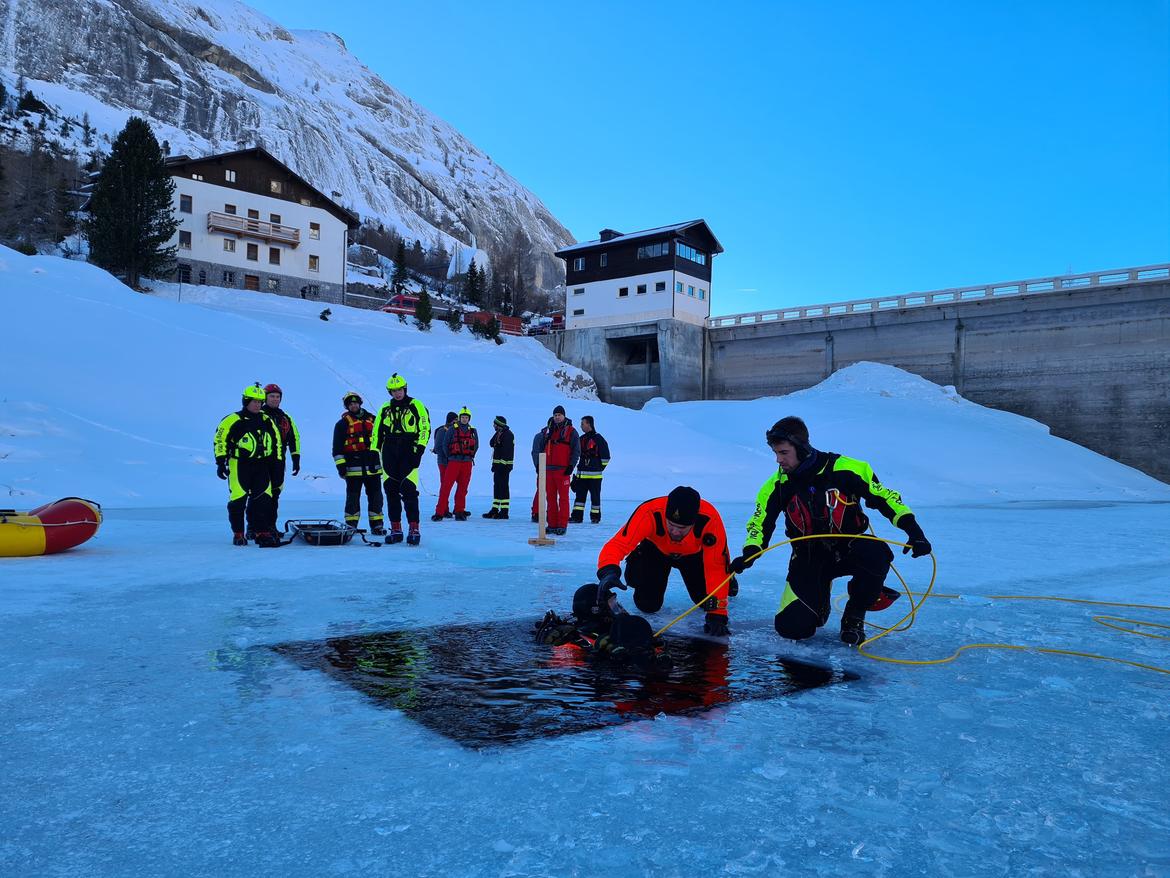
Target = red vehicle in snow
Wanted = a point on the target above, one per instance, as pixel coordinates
(401, 303)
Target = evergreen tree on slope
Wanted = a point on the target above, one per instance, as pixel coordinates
(131, 213)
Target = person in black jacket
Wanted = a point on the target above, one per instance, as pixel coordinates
(290, 443)
(360, 466)
(503, 451)
(820, 492)
(587, 481)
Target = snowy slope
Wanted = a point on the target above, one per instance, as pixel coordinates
(216, 75)
(117, 396)
(150, 729)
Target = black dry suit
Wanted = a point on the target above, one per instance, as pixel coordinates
(603, 630)
(823, 496)
(359, 465)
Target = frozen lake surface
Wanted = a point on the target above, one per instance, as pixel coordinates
(152, 728)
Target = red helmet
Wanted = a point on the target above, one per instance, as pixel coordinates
(273, 388)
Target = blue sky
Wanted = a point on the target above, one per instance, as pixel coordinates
(838, 150)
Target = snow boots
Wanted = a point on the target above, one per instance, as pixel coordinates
(852, 630)
(462, 516)
(395, 532)
(576, 517)
(267, 540)
(377, 531)
(437, 517)
(238, 539)
(413, 538)
(491, 513)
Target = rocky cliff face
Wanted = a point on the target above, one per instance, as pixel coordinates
(215, 75)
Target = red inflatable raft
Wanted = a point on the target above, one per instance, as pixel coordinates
(54, 527)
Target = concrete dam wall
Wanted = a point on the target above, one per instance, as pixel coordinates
(1093, 364)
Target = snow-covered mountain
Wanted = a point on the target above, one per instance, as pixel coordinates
(216, 75)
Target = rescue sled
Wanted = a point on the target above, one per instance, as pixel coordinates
(51, 528)
(319, 531)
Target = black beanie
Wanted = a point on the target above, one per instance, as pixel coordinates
(682, 505)
(451, 416)
(500, 421)
(559, 410)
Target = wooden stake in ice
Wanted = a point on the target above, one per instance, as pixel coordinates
(541, 508)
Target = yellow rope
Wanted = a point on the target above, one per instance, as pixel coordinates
(1101, 620)
(907, 621)
(763, 552)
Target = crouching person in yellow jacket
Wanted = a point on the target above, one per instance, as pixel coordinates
(820, 492)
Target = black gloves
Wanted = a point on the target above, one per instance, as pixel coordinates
(221, 469)
(341, 470)
(608, 578)
(919, 544)
(296, 464)
(746, 559)
(716, 626)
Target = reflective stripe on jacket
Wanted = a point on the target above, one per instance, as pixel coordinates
(594, 455)
(351, 444)
(825, 499)
(401, 427)
(246, 436)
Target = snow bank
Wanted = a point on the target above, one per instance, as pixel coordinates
(115, 395)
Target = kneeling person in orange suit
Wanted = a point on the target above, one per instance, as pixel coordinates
(678, 532)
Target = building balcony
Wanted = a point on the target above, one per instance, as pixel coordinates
(252, 228)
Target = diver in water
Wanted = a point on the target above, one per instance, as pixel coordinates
(603, 629)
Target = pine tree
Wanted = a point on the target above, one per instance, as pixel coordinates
(400, 275)
(86, 130)
(418, 256)
(473, 287)
(454, 320)
(131, 213)
(3, 96)
(423, 312)
(63, 219)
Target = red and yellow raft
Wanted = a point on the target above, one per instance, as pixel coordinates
(54, 527)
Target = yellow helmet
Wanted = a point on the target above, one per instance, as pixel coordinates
(465, 411)
(254, 391)
(396, 382)
(351, 394)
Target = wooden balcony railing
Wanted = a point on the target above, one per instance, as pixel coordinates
(252, 228)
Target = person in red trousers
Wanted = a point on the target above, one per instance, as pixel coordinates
(461, 442)
(562, 448)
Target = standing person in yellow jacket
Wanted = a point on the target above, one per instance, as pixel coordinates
(246, 444)
(358, 464)
(820, 492)
(401, 432)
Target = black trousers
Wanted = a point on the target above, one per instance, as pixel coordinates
(276, 467)
(400, 475)
(648, 569)
(250, 496)
(501, 497)
(590, 488)
(353, 499)
(805, 606)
